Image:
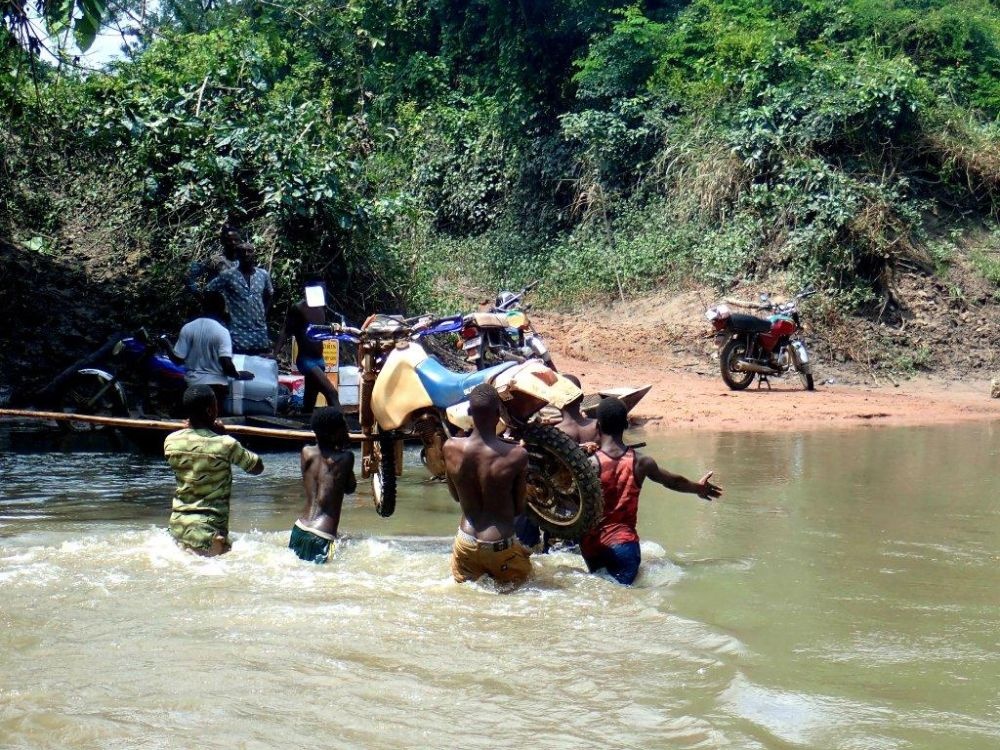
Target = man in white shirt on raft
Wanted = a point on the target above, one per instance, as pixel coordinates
(205, 348)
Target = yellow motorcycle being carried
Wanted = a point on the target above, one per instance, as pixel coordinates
(408, 394)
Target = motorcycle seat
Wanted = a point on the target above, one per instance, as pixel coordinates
(447, 388)
(741, 323)
(490, 320)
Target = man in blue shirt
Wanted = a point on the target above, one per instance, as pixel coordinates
(248, 292)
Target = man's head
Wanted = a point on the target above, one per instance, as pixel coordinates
(229, 236)
(200, 406)
(330, 427)
(213, 305)
(245, 255)
(315, 292)
(575, 381)
(484, 406)
(612, 417)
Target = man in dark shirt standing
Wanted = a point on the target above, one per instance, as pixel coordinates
(202, 272)
(311, 310)
(248, 292)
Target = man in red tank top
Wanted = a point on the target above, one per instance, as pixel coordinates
(614, 543)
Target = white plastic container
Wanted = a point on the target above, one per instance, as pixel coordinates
(257, 396)
(349, 387)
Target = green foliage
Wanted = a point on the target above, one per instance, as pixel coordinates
(82, 17)
(408, 150)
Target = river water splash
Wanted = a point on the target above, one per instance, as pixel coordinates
(843, 594)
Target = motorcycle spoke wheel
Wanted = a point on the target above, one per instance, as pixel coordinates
(563, 489)
(81, 397)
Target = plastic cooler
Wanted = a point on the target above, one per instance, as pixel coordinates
(349, 388)
(257, 396)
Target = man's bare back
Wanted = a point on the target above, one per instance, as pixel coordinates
(487, 477)
(582, 429)
(327, 475)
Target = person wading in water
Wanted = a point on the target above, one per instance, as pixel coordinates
(487, 476)
(613, 545)
(582, 429)
(327, 475)
(202, 460)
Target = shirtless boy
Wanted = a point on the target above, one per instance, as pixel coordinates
(202, 460)
(574, 423)
(487, 477)
(327, 475)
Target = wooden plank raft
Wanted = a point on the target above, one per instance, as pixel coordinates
(162, 424)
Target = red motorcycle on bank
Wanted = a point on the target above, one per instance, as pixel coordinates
(757, 347)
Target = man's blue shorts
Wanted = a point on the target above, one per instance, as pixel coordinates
(305, 364)
(620, 560)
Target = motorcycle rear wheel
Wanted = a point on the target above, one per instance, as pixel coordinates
(384, 478)
(734, 350)
(80, 397)
(564, 492)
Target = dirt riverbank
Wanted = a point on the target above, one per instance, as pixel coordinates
(662, 341)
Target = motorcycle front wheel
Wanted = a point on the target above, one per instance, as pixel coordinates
(90, 394)
(564, 492)
(807, 380)
(384, 476)
(734, 350)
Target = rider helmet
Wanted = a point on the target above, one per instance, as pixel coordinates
(504, 299)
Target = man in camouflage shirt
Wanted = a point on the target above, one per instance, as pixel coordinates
(202, 460)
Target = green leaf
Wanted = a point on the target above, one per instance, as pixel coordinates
(58, 14)
(86, 28)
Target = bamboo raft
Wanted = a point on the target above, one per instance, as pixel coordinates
(163, 425)
(630, 396)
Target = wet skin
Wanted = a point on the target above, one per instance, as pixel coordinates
(487, 477)
(582, 429)
(327, 475)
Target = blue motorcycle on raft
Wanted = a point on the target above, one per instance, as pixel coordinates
(132, 376)
(408, 394)
(127, 374)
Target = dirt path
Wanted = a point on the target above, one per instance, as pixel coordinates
(689, 394)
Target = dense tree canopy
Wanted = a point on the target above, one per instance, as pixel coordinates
(400, 148)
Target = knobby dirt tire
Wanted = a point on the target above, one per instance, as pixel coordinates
(564, 489)
(385, 473)
(737, 381)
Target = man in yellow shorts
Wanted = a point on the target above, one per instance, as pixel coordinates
(486, 476)
(202, 460)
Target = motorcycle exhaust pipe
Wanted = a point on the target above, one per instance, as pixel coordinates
(747, 366)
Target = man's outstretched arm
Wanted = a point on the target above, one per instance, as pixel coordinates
(704, 489)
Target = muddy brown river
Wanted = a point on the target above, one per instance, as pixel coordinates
(843, 594)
